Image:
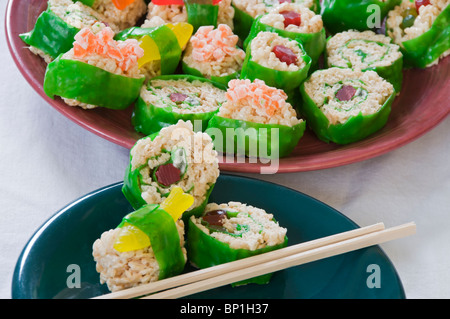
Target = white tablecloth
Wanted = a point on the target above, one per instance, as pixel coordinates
(47, 161)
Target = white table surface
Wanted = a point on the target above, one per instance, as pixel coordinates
(47, 161)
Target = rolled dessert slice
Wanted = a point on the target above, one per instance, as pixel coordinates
(175, 156)
(255, 121)
(366, 51)
(123, 13)
(196, 12)
(56, 27)
(148, 245)
(232, 231)
(247, 10)
(296, 22)
(345, 105)
(280, 62)
(167, 99)
(213, 53)
(96, 72)
(422, 30)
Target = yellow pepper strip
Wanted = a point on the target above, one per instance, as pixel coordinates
(177, 202)
(151, 51)
(131, 238)
(183, 31)
(122, 4)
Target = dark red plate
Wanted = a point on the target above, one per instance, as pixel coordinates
(423, 103)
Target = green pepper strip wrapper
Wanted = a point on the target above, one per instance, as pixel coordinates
(426, 48)
(201, 13)
(89, 3)
(51, 34)
(166, 41)
(89, 84)
(149, 119)
(218, 79)
(254, 139)
(313, 43)
(205, 251)
(160, 227)
(342, 15)
(288, 81)
(354, 129)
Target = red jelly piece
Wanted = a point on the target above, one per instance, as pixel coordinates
(283, 1)
(167, 174)
(284, 54)
(346, 93)
(215, 217)
(178, 97)
(168, 2)
(291, 17)
(420, 3)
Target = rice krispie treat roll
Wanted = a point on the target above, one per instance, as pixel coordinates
(175, 157)
(280, 62)
(97, 72)
(55, 28)
(255, 121)
(232, 231)
(366, 51)
(363, 15)
(197, 13)
(421, 29)
(123, 13)
(345, 105)
(167, 99)
(247, 10)
(212, 53)
(148, 245)
(296, 22)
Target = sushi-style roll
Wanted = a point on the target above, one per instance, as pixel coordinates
(345, 105)
(366, 51)
(123, 13)
(163, 45)
(296, 22)
(363, 15)
(167, 99)
(148, 245)
(255, 121)
(280, 62)
(97, 72)
(176, 156)
(247, 10)
(422, 30)
(56, 27)
(213, 53)
(196, 12)
(232, 231)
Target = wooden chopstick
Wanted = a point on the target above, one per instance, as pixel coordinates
(326, 251)
(213, 272)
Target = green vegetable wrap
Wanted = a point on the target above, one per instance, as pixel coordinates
(366, 51)
(217, 79)
(344, 106)
(160, 227)
(167, 99)
(89, 84)
(421, 47)
(201, 12)
(251, 139)
(228, 232)
(166, 41)
(362, 15)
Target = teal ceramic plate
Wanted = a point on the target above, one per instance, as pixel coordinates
(47, 262)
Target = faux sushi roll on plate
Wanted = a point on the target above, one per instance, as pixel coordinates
(422, 30)
(213, 53)
(232, 231)
(56, 27)
(255, 121)
(96, 72)
(167, 99)
(246, 11)
(280, 62)
(345, 105)
(296, 22)
(366, 51)
(175, 157)
(123, 13)
(148, 245)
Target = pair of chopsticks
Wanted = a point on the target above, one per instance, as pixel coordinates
(220, 275)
